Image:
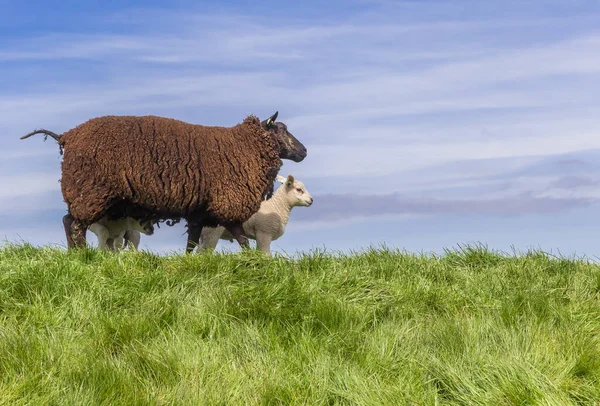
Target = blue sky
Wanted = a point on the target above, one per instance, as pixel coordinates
(428, 123)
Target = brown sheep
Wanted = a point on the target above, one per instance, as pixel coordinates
(160, 168)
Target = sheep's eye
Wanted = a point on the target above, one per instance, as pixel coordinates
(299, 190)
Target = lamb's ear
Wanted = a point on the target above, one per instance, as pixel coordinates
(280, 179)
(271, 120)
(290, 180)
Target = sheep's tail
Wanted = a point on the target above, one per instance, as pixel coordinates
(46, 134)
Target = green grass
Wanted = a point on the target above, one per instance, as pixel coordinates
(375, 328)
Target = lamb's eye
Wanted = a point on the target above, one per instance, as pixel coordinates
(299, 190)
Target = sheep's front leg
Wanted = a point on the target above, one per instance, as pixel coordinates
(194, 231)
(263, 242)
(75, 232)
(237, 231)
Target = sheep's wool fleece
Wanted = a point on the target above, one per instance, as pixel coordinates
(167, 166)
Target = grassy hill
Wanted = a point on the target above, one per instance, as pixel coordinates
(376, 328)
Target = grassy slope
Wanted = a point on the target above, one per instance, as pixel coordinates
(375, 328)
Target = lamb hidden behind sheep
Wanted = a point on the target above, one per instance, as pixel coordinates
(110, 233)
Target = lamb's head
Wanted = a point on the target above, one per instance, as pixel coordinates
(147, 227)
(288, 146)
(295, 192)
(144, 227)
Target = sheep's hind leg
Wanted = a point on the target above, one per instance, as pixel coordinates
(75, 232)
(237, 231)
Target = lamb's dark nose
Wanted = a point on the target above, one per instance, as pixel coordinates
(311, 201)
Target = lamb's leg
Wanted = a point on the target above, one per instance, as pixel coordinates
(75, 232)
(209, 237)
(263, 242)
(118, 242)
(132, 239)
(194, 231)
(237, 231)
(110, 243)
(104, 240)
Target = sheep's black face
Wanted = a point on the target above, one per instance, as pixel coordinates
(288, 146)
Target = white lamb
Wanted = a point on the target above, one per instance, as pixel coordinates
(110, 233)
(268, 224)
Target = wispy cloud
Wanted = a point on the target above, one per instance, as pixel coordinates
(572, 182)
(340, 207)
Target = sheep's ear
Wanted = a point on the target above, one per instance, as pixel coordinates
(280, 179)
(290, 180)
(271, 120)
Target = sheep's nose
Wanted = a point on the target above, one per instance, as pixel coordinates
(311, 200)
